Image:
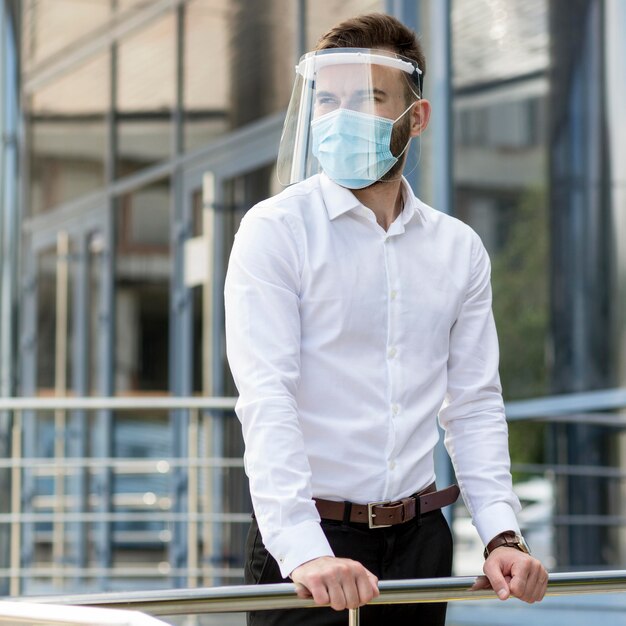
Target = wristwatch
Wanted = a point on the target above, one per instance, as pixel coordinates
(507, 538)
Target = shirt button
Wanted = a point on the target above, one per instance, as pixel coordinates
(395, 409)
(391, 353)
(393, 294)
(392, 465)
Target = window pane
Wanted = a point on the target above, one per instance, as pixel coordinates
(142, 290)
(95, 259)
(146, 95)
(46, 320)
(66, 128)
(498, 39)
(142, 541)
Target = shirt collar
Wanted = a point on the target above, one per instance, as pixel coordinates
(339, 200)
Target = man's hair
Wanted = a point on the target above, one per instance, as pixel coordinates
(375, 30)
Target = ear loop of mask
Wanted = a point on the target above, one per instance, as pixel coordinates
(406, 147)
(408, 143)
(418, 157)
(419, 144)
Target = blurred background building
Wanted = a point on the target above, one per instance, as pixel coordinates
(134, 136)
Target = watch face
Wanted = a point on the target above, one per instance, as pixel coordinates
(522, 544)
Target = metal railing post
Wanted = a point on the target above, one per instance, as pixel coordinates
(354, 617)
(16, 506)
(192, 500)
(60, 418)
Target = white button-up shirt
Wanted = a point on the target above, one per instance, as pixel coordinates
(346, 342)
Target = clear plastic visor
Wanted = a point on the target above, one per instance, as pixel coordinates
(332, 90)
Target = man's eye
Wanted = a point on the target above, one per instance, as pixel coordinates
(326, 100)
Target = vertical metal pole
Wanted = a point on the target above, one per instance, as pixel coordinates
(77, 440)
(16, 505)
(9, 238)
(217, 367)
(208, 350)
(439, 79)
(207, 499)
(582, 262)
(354, 617)
(60, 384)
(28, 388)
(615, 53)
(409, 13)
(301, 24)
(103, 439)
(441, 120)
(105, 359)
(180, 319)
(192, 501)
(9, 214)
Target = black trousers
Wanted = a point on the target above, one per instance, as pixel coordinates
(417, 549)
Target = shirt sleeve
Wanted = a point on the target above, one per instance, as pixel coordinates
(263, 347)
(473, 413)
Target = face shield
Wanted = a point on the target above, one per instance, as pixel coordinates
(349, 115)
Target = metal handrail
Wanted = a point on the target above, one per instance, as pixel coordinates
(115, 403)
(41, 614)
(546, 406)
(236, 599)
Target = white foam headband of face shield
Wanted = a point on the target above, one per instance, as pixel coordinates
(309, 66)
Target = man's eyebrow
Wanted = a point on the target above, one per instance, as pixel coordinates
(325, 94)
(366, 92)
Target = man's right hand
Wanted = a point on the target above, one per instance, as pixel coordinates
(342, 583)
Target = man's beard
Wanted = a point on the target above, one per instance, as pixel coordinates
(400, 136)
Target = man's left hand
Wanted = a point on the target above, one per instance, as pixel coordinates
(510, 572)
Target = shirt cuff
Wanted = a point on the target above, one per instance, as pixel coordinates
(298, 544)
(495, 519)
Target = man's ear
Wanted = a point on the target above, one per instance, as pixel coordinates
(420, 115)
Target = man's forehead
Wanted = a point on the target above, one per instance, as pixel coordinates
(351, 77)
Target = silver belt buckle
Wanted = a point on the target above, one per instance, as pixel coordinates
(371, 515)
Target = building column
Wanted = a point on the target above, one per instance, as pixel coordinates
(9, 237)
(584, 205)
(615, 94)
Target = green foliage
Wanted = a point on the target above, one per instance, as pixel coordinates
(521, 308)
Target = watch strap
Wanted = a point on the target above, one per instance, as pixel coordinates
(508, 538)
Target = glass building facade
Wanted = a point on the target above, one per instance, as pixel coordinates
(137, 133)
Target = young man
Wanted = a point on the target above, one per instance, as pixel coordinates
(355, 316)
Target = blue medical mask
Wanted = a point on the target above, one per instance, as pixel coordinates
(354, 148)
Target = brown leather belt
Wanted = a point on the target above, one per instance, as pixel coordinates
(388, 513)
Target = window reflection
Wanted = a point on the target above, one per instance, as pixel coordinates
(500, 182)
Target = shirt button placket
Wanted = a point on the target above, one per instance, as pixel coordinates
(392, 350)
